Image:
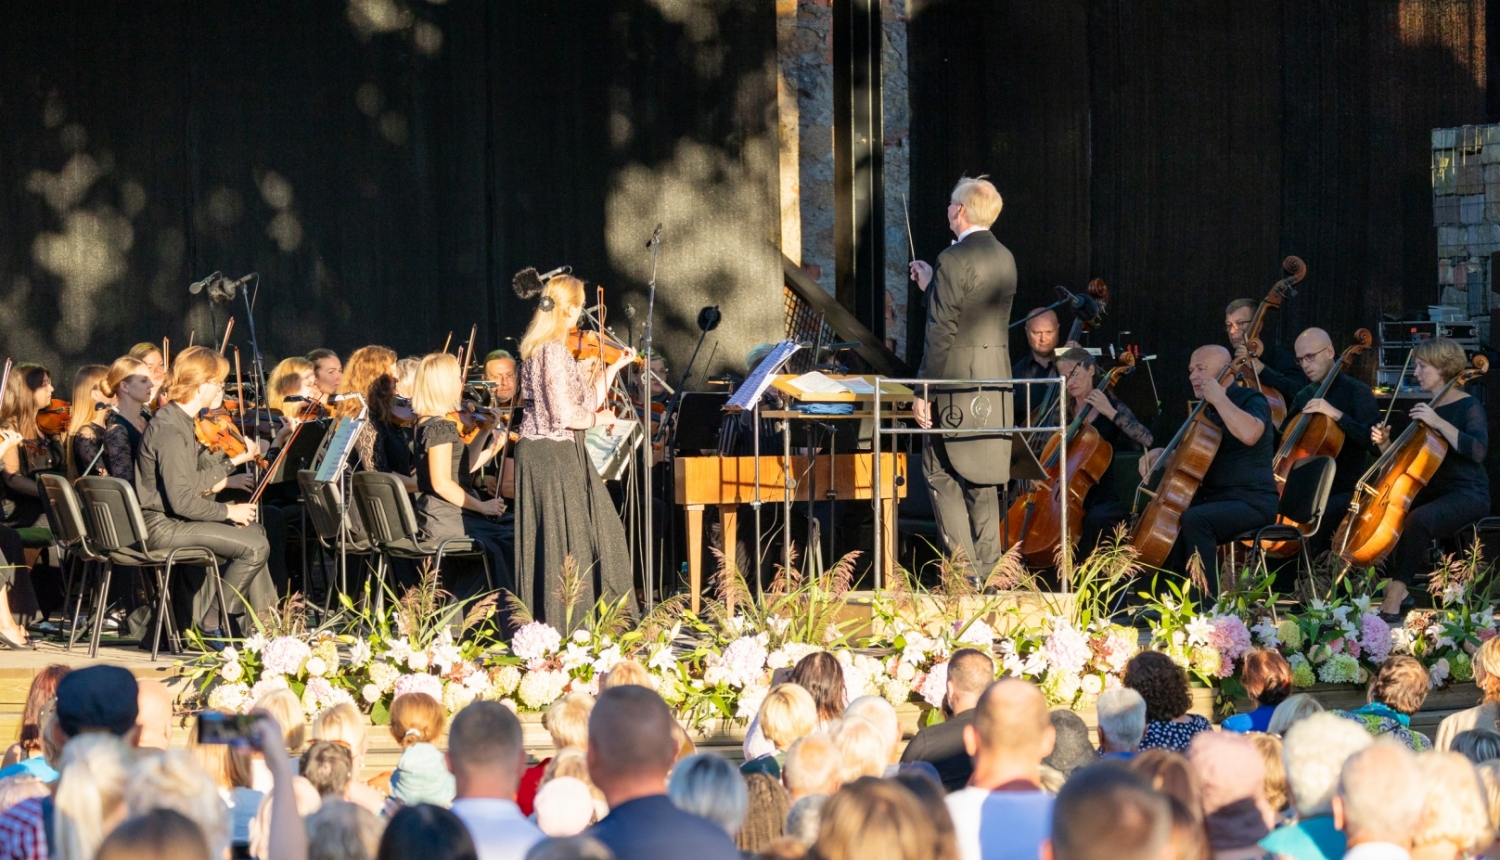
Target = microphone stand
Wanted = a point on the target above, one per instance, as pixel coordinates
(649, 571)
(257, 364)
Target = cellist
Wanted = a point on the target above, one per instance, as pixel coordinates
(1351, 404)
(1102, 508)
(1459, 491)
(1238, 492)
(1274, 367)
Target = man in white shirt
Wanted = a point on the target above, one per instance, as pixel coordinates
(1004, 814)
(486, 756)
(1379, 802)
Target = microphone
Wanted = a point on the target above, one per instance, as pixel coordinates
(1083, 306)
(560, 270)
(196, 287)
(655, 236)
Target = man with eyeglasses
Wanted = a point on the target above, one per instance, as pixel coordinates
(1348, 402)
(1276, 368)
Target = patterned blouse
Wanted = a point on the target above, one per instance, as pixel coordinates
(554, 383)
(1383, 721)
(1172, 735)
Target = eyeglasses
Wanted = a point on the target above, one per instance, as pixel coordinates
(1308, 359)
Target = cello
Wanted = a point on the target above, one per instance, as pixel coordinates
(1035, 520)
(1294, 270)
(1383, 496)
(1183, 463)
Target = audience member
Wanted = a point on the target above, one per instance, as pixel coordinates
(1122, 722)
(154, 714)
(929, 792)
(765, 813)
(91, 795)
(161, 834)
(1297, 707)
(632, 749)
(1455, 816)
(813, 765)
(230, 769)
(805, 817)
(1105, 812)
(1477, 745)
(1171, 774)
(567, 720)
(486, 752)
(1395, 693)
(786, 714)
(1231, 779)
(570, 848)
(22, 786)
(627, 671)
(1072, 748)
(1189, 837)
(820, 674)
(1278, 797)
(1378, 804)
(341, 830)
(327, 766)
(1489, 781)
(564, 807)
(708, 785)
(427, 831)
(1486, 714)
(173, 780)
(970, 672)
(421, 774)
(25, 755)
(876, 818)
(862, 750)
(1164, 686)
(344, 724)
(1004, 813)
(285, 708)
(575, 763)
(1267, 679)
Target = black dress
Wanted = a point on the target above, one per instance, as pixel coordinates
(1458, 494)
(88, 447)
(121, 444)
(438, 518)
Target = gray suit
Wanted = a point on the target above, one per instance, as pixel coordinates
(968, 315)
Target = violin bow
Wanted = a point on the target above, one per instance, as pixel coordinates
(448, 341)
(228, 330)
(239, 386)
(469, 352)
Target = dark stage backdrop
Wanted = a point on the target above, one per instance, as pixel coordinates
(1179, 149)
(385, 165)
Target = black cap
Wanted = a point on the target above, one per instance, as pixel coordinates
(98, 698)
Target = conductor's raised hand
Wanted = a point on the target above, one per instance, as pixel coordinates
(921, 273)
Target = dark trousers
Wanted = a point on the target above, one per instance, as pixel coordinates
(243, 555)
(968, 515)
(1099, 524)
(1429, 521)
(1207, 524)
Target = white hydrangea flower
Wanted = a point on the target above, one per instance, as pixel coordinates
(581, 636)
(1092, 685)
(316, 667)
(359, 653)
(370, 693)
(905, 672)
(234, 697)
(255, 643)
(231, 672)
(504, 681)
(662, 659)
(750, 699)
(418, 661)
(542, 688)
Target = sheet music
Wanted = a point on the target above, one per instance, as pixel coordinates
(339, 441)
(760, 378)
(814, 382)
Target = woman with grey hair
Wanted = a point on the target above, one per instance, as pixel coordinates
(1122, 722)
(708, 785)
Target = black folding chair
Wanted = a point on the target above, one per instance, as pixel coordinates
(118, 529)
(71, 537)
(392, 523)
(334, 526)
(1304, 501)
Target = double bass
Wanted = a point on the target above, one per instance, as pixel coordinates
(1383, 497)
(1294, 270)
(1035, 520)
(1183, 463)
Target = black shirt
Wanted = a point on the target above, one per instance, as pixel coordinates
(1029, 368)
(170, 478)
(1241, 471)
(1357, 402)
(942, 745)
(1281, 372)
(1107, 488)
(438, 517)
(1462, 471)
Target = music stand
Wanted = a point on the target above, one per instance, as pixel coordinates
(304, 449)
(698, 423)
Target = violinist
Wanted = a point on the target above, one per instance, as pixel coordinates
(129, 385)
(499, 368)
(1117, 425)
(328, 373)
(1459, 491)
(1351, 404)
(12, 564)
(293, 378)
(445, 467)
(175, 487)
(562, 506)
(150, 355)
(384, 445)
(28, 392)
(84, 443)
(1275, 367)
(1238, 492)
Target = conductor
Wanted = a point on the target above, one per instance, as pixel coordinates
(969, 296)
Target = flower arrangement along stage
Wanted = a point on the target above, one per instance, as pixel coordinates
(717, 665)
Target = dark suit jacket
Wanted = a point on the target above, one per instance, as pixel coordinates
(968, 315)
(943, 746)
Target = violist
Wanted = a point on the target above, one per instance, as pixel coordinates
(1459, 491)
(1103, 509)
(328, 373)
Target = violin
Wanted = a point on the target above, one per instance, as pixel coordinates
(593, 344)
(471, 421)
(1035, 520)
(1383, 496)
(1183, 464)
(1294, 270)
(54, 418)
(216, 430)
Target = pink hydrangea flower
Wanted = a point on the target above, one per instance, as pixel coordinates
(934, 686)
(284, 655)
(1375, 636)
(423, 683)
(1230, 637)
(535, 641)
(1485, 634)
(1066, 649)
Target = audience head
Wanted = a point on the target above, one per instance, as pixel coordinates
(787, 713)
(1266, 676)
(570, 848)
(426, 831)
(627, 671)
(342, 724)
(98, 699)
(863, 750)
(43, 689)
(228, 766)
(1401, 684)
(573, 763)
(1477, 745)
(91, 794)
(341, 830)
(416, 718)
(882, 715)
(1455, 815)
(161, 834)
(1189, 836)
(875, 819)
(820, 674)
(1161, 682)
(1314, 752)
(708, 785)
(564, 806)
(805, 818)
(328, 766)
(1487, 669)
(1106, 812)
(173, 780)
(1231, 779)
(284, 707)
(1294, 709)
(486, 751)
(1122, 719)
(1171, 774)
(1011, 728)
(1489, 781)
(154, 714)
(929, 792)
(765, 813)
(1275, 790)
(813, 767)
(633, 743)
(1072, 749)
(970, 673)
(1380, 796)
(567, 720)
(22, 786)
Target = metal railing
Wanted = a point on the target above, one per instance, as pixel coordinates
(922, 388)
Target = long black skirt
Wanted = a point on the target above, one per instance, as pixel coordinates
(563, 509)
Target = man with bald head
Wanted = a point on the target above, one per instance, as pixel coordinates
(1040, 362)
(1348, 402)
(1004, 813)
(1238, 492)
(631, 750)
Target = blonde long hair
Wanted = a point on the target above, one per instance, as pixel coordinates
(285, 378)
(438, 388)
(566, 293)
(86, 381)
(95, 770)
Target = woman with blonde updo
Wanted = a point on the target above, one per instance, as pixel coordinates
(84, 447)
(1485, 715)
(562, 507)
(128, 384)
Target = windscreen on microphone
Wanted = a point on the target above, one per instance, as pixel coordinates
(527, 283)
